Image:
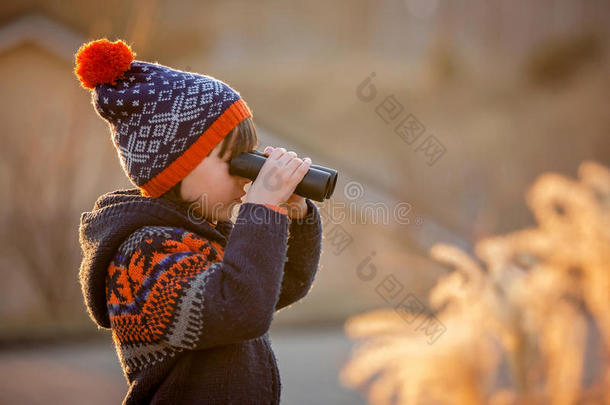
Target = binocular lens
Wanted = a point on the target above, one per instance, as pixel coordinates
(319, 181)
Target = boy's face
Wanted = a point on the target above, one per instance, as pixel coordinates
(216, 191)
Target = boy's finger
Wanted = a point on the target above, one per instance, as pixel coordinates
(287, 158)
(276, 153)
(302, 168)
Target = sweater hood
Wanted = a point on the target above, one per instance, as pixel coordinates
(114, 217)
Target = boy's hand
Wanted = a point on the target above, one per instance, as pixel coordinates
(278, 178)
(296, 206)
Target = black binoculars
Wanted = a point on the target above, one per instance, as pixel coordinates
(319, 181)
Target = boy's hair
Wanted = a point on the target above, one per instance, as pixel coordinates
(242, 138)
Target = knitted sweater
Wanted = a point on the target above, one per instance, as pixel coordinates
(189, 303)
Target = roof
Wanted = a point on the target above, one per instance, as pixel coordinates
(42, 31)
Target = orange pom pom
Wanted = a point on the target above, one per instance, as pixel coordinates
(102, 61)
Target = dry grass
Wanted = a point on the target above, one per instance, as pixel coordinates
(526, 300)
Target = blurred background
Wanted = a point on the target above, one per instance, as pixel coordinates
(467, 242)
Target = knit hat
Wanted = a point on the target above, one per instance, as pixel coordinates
(163, 121)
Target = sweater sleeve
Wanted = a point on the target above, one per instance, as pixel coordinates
(303, 256)
(199, 296)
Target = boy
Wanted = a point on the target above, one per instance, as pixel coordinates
(189, 301)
